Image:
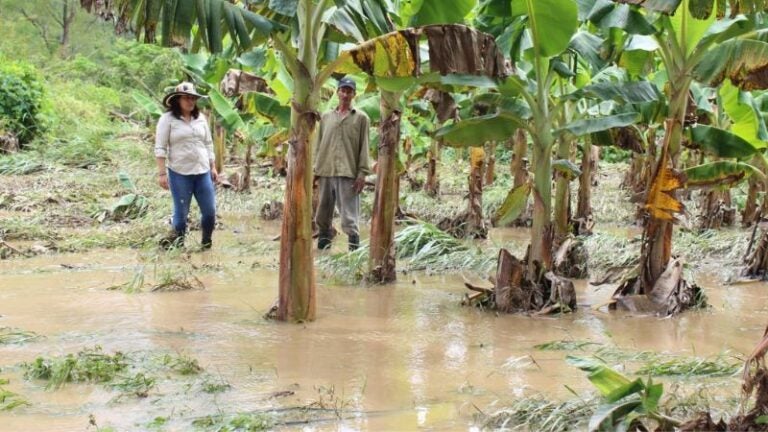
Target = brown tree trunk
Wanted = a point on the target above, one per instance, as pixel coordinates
(381, 263)
(297, 276)
(432, 185)
(716, 210)
(475, 224)
(490, 163)
(750, 208)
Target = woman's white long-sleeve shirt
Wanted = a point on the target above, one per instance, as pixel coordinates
(186, 147)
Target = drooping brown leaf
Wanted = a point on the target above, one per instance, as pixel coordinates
(457, 49)
(661, 202)
(628, 138)
(442, 103)
(453, 49)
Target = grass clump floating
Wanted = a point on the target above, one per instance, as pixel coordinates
(565, 345)
(542, 414)
(89, 365)
(691, 366)
(243, 422)
(10, 400)
(181, 364)
(10, 335)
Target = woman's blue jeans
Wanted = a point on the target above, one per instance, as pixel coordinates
(183, 188)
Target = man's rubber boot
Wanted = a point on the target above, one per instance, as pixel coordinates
(206, 242)
(173, 240)
(354, 242)
(324, 240)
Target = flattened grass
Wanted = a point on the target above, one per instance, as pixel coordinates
(418, 246)
(11, 335)
(10, 400)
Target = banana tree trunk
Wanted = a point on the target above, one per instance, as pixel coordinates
(219, 145)
(518, 164)
(750, 208)
(657, 247)
(562, 196)
(381, 263)
(542, 231)
(297, 276)
(584, 206)
(475, 225)
(432, 186)
(490, 163)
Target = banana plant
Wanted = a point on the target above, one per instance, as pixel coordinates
(694, 40)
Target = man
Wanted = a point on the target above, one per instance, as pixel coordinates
(341, 164)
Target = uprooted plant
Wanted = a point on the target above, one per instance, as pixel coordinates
(518, 289)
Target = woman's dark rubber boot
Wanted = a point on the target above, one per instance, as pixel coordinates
(173, 240)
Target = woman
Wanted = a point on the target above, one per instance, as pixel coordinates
(185, 163)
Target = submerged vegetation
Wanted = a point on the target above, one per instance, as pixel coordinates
(77, 169)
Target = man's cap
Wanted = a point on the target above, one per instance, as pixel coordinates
(347, 82)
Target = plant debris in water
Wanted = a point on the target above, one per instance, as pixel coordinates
(692, 366)
(419, 246)
(243, 422)
(10, 335)
(10, 400)
(543, 415)
(565, 345)
(181, 364)
(88, 365)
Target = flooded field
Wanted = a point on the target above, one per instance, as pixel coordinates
(399, 357)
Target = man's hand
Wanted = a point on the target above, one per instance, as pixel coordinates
(359, 184)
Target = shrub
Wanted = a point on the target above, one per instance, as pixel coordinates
(21, 99)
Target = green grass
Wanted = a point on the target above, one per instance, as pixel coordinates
(542, 415)
(10, 400)
(88, 365)
(691, 366)
(181, 364)
(419, 246)
(565, 345)
(243, 422)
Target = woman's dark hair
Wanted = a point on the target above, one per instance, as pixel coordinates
(175, 108)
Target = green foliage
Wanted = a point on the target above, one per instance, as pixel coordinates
(126, 65)
(613, 154)
(21, 99)
(129, 206)
(244, 422)
(181, 364)
(88, 365)
(625, 402)
(695, 366)
(542, 414)
(10, 400)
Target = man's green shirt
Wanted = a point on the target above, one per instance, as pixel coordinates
(342, 145)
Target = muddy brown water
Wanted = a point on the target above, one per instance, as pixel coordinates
(399, 357)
